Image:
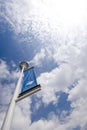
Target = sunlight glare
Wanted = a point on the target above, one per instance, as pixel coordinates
(67, 12)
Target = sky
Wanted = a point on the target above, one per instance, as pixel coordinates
(50, 35)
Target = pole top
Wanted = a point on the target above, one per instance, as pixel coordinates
(24, 64)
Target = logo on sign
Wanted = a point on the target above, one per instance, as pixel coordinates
(29, 83)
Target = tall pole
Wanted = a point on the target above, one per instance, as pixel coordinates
(7, 121)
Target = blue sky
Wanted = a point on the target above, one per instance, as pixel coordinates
(52, 36)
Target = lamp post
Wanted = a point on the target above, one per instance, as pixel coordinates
(8, 118)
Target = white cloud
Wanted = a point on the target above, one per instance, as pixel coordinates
(57, 80)
(44, 124)
(80, 90)
(78, 97)
(46, 20)
(22, 115)
(73, 67)
(63, 37)
(39, 57)
(4, 73)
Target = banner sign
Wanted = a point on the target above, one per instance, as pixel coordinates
(29, 80)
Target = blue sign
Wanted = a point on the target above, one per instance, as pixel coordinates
(29, 80)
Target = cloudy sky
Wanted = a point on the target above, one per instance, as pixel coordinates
(52, 36)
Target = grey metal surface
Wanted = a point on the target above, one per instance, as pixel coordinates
(24, 64)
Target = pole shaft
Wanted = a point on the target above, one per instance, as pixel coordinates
(7, 121)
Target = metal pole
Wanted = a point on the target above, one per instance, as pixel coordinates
(7, 121)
